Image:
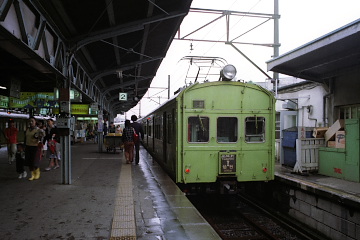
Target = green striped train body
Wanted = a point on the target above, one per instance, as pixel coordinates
(213, 131)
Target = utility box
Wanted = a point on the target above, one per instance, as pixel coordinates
(332, 162)
(352, 147)
(343, 163)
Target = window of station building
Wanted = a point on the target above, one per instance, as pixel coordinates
(349, 112)
(198, 129)
(255, 129)
(227, 129)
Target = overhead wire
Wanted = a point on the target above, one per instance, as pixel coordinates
(236, 22)
(211, 30)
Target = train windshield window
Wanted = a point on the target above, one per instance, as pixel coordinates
(227, 128)
(255, 129)
(198, 128)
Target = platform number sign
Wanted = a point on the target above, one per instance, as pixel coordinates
(123, 96)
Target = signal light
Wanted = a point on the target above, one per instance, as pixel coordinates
(187, 170)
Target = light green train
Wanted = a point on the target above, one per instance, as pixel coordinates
(213, 135)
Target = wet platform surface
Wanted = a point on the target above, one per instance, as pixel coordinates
(97, 203)
(46, 209)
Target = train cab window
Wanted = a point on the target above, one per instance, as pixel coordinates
(255, 129)
(227, 129)
(198, 129)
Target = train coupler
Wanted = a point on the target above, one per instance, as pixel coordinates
(228, 187)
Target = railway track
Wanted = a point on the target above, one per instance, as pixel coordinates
(233, 217)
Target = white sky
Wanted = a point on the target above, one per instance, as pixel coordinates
(301, 21)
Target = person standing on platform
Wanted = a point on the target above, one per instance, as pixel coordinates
(33, 142)
(96, 133)
(139, 131)
(118, 129)
(112, 128)
(20, 161)
(53, 140)
(41, 125)
(128, 141)
(105, 130)
(11, 133)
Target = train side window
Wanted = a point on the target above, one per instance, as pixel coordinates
(255, 129)
(198, 129)
(227, 129)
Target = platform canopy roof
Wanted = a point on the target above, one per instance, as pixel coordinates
(119, 45)
(324, 58)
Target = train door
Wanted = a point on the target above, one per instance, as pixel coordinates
(153, 132)
(164, 137)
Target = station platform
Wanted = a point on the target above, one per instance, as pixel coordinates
(108, 199)
(333, 188)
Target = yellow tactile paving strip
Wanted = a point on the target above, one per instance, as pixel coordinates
(123, 224)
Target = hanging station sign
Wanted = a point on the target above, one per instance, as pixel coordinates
(34, 100)
(122, 96)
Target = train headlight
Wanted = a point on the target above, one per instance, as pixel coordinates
(228, 73)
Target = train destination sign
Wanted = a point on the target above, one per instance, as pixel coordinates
(228, 163)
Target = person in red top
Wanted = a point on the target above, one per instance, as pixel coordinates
(11, 133)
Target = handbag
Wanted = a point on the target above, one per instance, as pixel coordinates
(136, 137)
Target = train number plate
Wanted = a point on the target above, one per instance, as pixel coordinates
(228, 163)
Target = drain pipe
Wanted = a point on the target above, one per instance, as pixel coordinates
(325, 100)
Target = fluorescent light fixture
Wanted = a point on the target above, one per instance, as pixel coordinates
(1, 87)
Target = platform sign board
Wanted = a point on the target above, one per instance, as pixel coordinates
(80, 109)
(94, 107)
(100, 123)
(4, 102)
(122, 96)
(34, 100)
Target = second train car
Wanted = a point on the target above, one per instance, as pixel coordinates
(212, 136)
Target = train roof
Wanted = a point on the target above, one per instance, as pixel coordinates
(181, 90)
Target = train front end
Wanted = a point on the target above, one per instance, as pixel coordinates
(226, 135)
